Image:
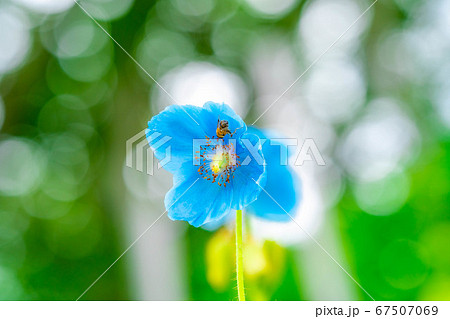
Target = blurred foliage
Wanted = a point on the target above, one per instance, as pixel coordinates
(264, 267)
(70, 98)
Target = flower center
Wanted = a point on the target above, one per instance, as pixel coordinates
(218, 162)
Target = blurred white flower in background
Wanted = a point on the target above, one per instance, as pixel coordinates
(383, 140)
(334, 91)
(271, 8)
(15, 39)
(323, 22)
(198, 82)
(47, 6)
(21, 166)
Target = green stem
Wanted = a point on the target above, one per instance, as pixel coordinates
(239, 257)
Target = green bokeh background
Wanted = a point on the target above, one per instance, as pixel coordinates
(70, 99)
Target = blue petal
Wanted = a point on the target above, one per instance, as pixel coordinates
(246, 176)
(179, 124)
(282, 184)
(223, 112)
(197, 200)
(216, 224)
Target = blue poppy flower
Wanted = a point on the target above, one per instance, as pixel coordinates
(217, 177)
(283, 185)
